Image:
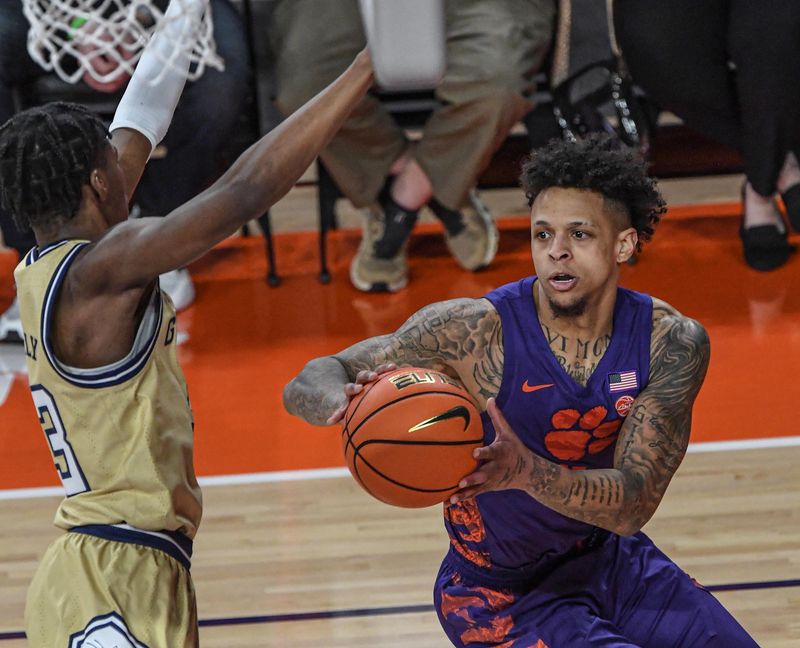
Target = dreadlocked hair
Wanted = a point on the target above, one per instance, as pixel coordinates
(46, 155)
(597, 163)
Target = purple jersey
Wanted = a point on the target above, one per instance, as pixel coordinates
(507, 536)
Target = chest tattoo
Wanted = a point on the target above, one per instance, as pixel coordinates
(579, 358)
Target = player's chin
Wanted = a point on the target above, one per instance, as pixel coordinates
(567, 304)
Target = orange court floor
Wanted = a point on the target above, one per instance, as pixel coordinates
(243, 340)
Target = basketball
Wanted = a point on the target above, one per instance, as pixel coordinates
(408, 437)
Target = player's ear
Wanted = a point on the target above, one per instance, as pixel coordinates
(99, 184)
(626, 244)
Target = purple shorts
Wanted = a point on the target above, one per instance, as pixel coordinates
(625, 592)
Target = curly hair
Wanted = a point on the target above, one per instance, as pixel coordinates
(46, 155)
(597, 163)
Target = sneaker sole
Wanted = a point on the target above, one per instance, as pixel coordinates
(11, 333)
(491, 229)
(375, 287)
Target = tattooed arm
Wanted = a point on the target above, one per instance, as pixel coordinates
(651, 444)
(460, 337)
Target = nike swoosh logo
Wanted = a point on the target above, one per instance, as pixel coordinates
(528, 388)
(457, 412)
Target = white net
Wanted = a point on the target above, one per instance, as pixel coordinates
(105, 38)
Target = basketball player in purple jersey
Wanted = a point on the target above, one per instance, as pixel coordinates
(588, 391)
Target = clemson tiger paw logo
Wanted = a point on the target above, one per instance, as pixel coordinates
(575, 435)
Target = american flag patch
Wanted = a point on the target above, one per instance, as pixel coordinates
(622, 381)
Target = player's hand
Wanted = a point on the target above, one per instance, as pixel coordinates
(364, 58)
(504, 464)
(353, 388)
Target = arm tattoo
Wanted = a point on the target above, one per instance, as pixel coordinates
(317, 392)
(652, 441)
(655, 435)
(461, 337)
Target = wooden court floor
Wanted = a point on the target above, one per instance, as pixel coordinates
(292, 558)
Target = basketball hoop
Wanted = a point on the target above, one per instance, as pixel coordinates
(71, 37)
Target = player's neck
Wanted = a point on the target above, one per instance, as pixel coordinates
(596, 319)
(84, 226)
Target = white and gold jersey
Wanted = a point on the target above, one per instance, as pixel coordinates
(121, 435)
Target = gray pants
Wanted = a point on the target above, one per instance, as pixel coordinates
(493, 49)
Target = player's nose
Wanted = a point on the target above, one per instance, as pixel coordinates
(559, 248)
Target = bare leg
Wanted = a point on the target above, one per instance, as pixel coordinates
(790, 173)
(411, 188)
(760, 210)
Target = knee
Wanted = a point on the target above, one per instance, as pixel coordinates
(487, 100)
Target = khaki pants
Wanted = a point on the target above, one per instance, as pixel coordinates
(89, 591)
(493, 49)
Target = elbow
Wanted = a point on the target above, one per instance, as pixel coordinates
(627, 527)
(253, 196)
(633, 519)
(247, 193)
(288, 396)
(639, 503)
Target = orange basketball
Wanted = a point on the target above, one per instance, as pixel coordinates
(408, 437)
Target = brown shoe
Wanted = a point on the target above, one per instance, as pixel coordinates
(370, 273)
(475, 245)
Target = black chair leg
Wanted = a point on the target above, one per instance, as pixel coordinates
(266, 226)
(327, 193)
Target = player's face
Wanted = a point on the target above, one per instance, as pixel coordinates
(577, 241)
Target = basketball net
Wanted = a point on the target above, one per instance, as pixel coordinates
(94, 33)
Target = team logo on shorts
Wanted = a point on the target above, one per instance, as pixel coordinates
(623, 405)
(106, 631)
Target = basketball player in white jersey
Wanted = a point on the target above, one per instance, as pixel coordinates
(100, 336)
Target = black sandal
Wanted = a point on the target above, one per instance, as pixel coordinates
(766, 247)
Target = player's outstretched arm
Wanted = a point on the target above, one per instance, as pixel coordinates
(133, 253)
(145, 111)
(460, 337)
(650, 447)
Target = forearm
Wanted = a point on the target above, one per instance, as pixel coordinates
(317, 391)
(608, 498)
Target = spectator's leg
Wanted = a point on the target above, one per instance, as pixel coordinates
(680, 53)
(15, 67)
(314, 42)
(493, 49)
(677, 52)
(206, 116)
(765, 47)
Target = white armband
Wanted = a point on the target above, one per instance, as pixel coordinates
(154, 89)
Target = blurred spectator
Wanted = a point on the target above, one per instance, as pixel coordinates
(729, 68)
(204, 120)
(493, 48)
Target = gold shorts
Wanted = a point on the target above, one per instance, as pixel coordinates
(91, 591)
